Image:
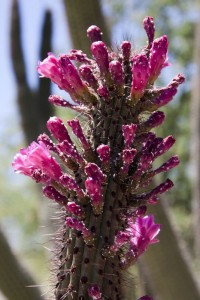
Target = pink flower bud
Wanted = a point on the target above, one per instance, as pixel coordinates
(94, 190)
(59, 101)
(51, 193)
(70, 74)
(104, 156)
(165, 96)
(77, 130)
(74, 209)
(144, 164)
(71, 184)
(162, 188)
(141, 211)
(79, 56)
(100, 53)
(164, 146)
(86, 73)
(158, 57)
(69, 150)
(171, 163)
(92, 170)
(94, 292)
(44, 138)
(129, 133)
(78, 225)
(103, 92)
(140, 76)
(58, 130)
(156, 119)
(121, 238)
(176, 81)
(127, 158)
(149, 28)
(94, 33)
(151, 197)
(126, 50)
(117, 75)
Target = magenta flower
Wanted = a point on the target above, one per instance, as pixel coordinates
(50, 68)
(36, 158)
(142, 233)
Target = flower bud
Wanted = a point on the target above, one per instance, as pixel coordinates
(94, 33)
(77, 130)
(95, 192)
(100, 53)
(69, 150)
(92, 170)
(117, 75)
(140, 76)
(171, 163)
(58, 130)
(103, 92)
(156, 119)
(80, 226)
(86, 73)
(51, 193)
(126, 50)
(79, 56)
(128, 134)
(164, 146)
(127, 159)
(104, 156)
(74, 209)
(149, 28)
(158, 57)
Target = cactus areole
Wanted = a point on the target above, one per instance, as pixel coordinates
(101, 173)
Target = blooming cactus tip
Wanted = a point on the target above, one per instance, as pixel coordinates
(101, 173)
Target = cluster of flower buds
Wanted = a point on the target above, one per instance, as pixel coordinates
(101, 174)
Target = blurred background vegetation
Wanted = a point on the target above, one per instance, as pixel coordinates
(169, 270)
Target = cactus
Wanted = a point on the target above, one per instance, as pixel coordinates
(103, 177)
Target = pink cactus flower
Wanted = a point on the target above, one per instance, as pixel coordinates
(36, 157)
(143, 233)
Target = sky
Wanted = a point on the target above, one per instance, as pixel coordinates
(32, 13)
